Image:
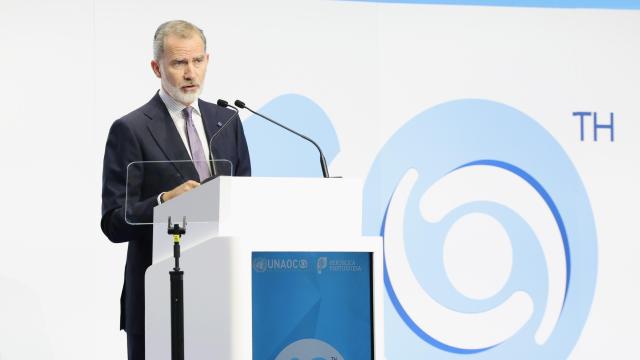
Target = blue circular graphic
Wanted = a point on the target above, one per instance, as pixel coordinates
(464, 134)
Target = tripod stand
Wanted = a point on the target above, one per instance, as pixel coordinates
(177, 296)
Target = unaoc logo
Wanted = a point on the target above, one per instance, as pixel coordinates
(260, 264)
(489, 239)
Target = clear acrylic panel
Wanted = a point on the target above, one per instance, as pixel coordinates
(146, 180)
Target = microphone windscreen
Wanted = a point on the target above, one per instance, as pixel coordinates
(239, 104)
(222, 103)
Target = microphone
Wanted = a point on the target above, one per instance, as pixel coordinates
(225, 104)
(323, 162)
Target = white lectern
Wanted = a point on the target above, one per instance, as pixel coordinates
(229, 220)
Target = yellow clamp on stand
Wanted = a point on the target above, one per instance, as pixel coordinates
(177, 231)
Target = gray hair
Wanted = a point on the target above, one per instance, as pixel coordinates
(180, 28)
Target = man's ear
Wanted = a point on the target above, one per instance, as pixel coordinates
(155, 66)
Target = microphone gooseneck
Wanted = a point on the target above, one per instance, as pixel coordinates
(222, 103)
(323, 162)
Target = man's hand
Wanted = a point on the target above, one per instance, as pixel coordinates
(179, 190)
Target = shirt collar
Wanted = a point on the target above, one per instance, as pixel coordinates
(174, 106)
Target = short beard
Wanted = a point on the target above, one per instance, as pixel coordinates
(177, 94)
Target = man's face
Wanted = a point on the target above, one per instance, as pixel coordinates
(182, 68)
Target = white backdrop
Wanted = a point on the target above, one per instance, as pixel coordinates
(72, 67)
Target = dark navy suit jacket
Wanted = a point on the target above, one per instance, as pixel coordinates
(149, 134)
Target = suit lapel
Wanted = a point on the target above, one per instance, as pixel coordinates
(166, 135)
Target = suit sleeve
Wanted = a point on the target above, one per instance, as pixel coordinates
(122, 181)
(243, 167)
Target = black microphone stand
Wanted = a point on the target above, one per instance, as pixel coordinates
(177, 295)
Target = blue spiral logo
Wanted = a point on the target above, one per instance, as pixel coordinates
(490, 243)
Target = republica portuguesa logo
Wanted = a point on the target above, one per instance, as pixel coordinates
(321, 264)
(489, 239)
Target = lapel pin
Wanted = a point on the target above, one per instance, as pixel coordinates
(219, 124)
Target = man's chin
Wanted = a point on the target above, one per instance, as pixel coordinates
(188, 98)
(185, 97)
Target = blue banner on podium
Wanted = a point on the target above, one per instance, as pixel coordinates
(312, 305)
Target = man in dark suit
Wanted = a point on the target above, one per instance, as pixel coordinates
(173, 125)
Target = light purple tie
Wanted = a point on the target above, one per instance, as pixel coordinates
(197, 152)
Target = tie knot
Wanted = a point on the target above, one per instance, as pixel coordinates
(186, 112)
